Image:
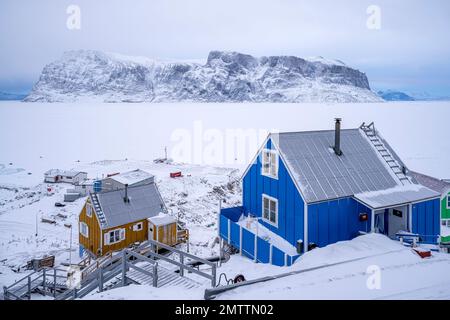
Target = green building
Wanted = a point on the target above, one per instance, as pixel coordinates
(443, 187)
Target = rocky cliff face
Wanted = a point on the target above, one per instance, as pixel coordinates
(225, 77)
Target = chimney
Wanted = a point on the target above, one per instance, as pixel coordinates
(126, 199)
(337, 137)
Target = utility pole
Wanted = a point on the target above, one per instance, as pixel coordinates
(69, 225)
(36, 234)
(70, 247)
(218, 233)
(165, 153)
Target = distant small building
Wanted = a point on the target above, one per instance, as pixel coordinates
(113, 220)
(133, 178)
(67, 176)
(81, 190)
(443, 188)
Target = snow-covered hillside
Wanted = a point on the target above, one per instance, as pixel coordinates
(193, 199)
(225, 77)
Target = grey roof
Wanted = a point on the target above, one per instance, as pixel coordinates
(59, 172)
(396, 196)
(435, 184)
(322, 175)
(145, 202)
(132, 177)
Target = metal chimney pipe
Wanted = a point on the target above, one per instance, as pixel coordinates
(125, 199)
(337, 137)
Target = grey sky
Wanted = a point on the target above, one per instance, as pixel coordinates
(411, 51)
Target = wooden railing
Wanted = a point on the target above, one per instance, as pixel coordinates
(182, 263)
(103, 261)
(46, 279)
(105, 269)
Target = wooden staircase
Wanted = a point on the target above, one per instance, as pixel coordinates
(166, 277)
(139, 265)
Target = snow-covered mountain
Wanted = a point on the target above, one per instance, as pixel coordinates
(11, 96)
(392, 95)
(225, 77)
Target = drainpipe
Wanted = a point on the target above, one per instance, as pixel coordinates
(410, 227)
(372, 221)
(305, 228)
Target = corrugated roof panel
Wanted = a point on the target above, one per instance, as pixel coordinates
(431, 182)
(323, 175)
(145, 201)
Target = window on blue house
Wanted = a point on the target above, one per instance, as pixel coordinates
(270, 163)
(270, 210)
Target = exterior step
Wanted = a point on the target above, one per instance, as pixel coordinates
(166, 278)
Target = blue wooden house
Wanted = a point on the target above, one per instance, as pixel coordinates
(314, 188)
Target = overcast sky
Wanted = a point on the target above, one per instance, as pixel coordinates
(411, 50)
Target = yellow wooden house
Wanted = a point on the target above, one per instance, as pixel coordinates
(111, 221)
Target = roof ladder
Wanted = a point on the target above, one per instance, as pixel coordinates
(98, 209)
(380, 147)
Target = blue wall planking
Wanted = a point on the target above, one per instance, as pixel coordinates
(277, 257)
(248, 243)
(290, 203)
(336, 220)
(235, 235)
(224, 227)
(263, 252)
(426, 220)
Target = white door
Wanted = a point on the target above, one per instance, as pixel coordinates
(397, 221)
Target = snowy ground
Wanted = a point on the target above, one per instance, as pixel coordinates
(402, 275)
(39, 136)
(36, 137)
(194, 198)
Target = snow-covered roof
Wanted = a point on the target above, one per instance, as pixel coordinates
(430, 182)
(58, 172)
(162, 220)
(322, 175)
(395, 196)
(144, 202)
(132, 177)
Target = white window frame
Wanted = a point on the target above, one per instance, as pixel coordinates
(138, 226)
(448, 201)
(445, 223)
(84, 233)
(271, 164)
(121, 236)
(265, 196)
(89, 210)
